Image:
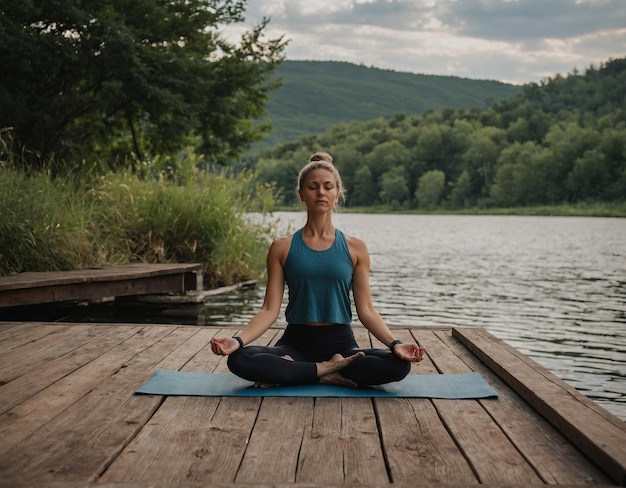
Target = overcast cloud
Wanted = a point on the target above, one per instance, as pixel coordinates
(515, 41)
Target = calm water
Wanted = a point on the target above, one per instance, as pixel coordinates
(554, 288)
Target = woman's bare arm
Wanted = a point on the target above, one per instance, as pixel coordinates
(272, 302)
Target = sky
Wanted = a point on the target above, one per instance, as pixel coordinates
(514, 41)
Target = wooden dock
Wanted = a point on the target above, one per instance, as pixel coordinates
(69, 418)
(95, 283)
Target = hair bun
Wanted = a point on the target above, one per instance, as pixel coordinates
(321, 156)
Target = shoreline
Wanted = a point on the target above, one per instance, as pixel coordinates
(605, 210)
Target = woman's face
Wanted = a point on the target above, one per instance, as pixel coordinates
(319, 190)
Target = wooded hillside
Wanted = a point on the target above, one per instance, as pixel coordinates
(315, 95)
(559, 141)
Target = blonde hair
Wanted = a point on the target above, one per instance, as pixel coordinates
(321, 160)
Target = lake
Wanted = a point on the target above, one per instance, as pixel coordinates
(553, 287)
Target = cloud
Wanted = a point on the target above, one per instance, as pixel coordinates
(515, 41)
(529, 20)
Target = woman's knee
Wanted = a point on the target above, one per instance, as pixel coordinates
(402, 369)
(235, 361)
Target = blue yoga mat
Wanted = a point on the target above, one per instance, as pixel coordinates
(446, 386)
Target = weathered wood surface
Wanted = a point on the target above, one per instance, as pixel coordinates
(580, 420)
(133, 279)
(68, 417)
(199, 296)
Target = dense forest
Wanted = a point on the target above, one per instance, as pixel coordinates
(316, 95)
(556, 142)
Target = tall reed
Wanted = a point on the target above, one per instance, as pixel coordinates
(41, 224)
(152, 212)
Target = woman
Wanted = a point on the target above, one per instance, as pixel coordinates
(320, 265)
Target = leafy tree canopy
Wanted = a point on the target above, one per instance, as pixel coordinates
(107, 78)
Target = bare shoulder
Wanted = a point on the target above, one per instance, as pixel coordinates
(282, 242)
(280, 248)
(356, 243)
(358, 248)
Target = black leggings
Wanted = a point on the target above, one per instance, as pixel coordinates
(307, 345)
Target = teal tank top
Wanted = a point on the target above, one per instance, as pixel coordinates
(319, 282)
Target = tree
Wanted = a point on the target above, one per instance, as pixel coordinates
(481, 156)
(589, 177)
(430, 146)
(348, 161)
(461, 191)
(140, 76)
(386, 156)
(364, 191)
(567, 143)
(283, 174)
(523, 176)
(393, 187)
(430, 188)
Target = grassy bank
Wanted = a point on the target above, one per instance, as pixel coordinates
(143, 214)
(598, 209)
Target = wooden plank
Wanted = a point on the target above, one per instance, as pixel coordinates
(593, 430)
(321, 446)
(363, 458)
(176, 431)
(342, 444)
(29, 332)
(199, 439)
(61, 393)
(192, 484)
(31, 288)
(98, 426)
(417, 444)
(15, 392)
(202, 439)
(84, 291)
(35, 354)
(481, 440)
(8, 329)
(272, 453)
(130, 271)
(484, 444)
(554, 459)
(171, 447)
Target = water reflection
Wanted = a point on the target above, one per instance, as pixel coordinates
(554, 288)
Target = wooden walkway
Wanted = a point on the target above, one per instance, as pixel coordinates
(95, 283)
(69, 418)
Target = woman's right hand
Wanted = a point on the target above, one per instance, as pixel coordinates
(224, 345)
(409, 352)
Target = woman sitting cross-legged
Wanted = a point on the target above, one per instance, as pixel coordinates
(321, 266)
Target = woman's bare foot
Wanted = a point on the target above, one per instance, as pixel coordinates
(336, 379)
(258, 384)
(336, 363)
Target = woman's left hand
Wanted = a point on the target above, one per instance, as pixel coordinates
(409, 352)
(224, 345)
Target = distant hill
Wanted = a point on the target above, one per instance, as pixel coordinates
(319, 94)
(558, 142)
